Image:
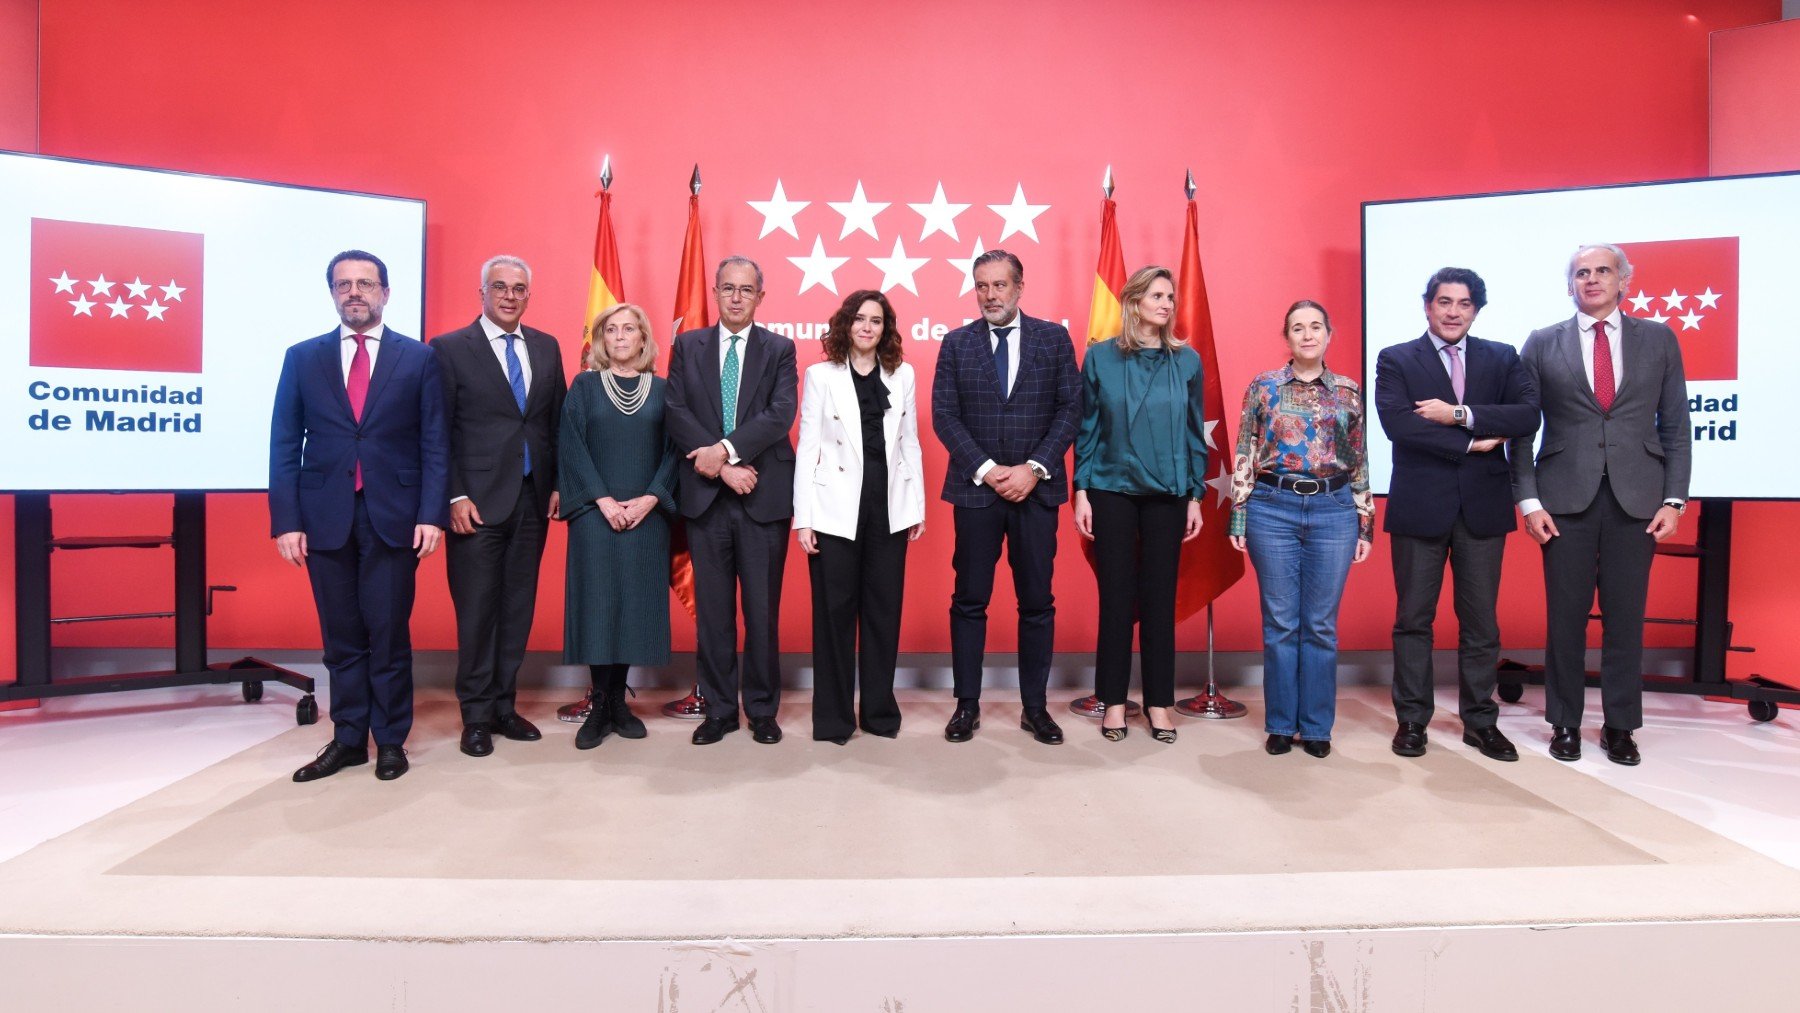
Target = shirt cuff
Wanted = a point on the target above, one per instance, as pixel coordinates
(1040, 471)
(1530, 506)
(458, 499)
(730, 451)
(981, 472)
(1468, 418)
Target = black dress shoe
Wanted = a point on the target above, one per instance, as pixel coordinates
(517, 729)
(712, 730)
(964, 722)
(765, 731)
(1492, 742)
(1318, 748)
(390, 762)
(1409, 740)
(1041, 725)
(477, 740)
(596, 725)
(333, 758)
(1619, 747)
(1275, 744)
(1565, 743)
(627, 724)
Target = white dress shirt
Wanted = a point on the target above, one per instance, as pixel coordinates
(497, 341)
(725, 337)
(347, 348)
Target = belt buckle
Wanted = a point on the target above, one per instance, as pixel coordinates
(1306, 486)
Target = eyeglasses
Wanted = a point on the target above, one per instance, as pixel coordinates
(744, 291)
(500, 288)
(366, 286)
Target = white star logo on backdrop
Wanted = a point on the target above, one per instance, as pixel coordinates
(1019, 216)
(1673, 300)
(64, 284)
(967, 267)
(899, 268)
(172, 291)
(940, 215)
(101, 286)
(1641, 302)
(1709, 300)
(119, 307)
(859, 214)
(1690, 321)
(83, 308)
(1221, 484)
(137, 287)
(816, 268)
(777, 212)
(154, 311)
(1660, 318)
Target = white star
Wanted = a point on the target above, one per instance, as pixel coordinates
(120, 308)
(83, 308)
(1221, 484)
(816, 268)
(967, 267)
(1206, 433)
(859, 214)
(155, 310)
(1690, 321)
(1019, 215)
(940, 215)
(137, 287)
(1673, 300)
(172, 291)
(1641, 302)
(778, 212)
(64, 283)
(101, 286)
(1709, 300)
(1661, 319)
(899, 268)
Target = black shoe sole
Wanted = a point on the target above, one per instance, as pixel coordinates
(1565, 757)
(632, 731)
(1630, 761)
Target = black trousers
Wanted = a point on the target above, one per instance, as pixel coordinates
(364, 593)
(732, 551)
(856, 593)
(1475, 581)
(1137, 560)
(1606, 548)
(493, 585)
(1028, 531)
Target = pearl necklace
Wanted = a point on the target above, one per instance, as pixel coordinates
(626, 403)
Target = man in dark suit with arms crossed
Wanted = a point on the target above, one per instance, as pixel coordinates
(1609, 483)
(358, 494)
(1449, 401)
(731, 400)
(503, 397)
(1006, 403)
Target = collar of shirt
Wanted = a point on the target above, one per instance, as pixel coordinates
(1016, 323)
(493, 331)
(1325, 377)
(725, 336)
(1440, 344)
(1586, 323)
(374, 333)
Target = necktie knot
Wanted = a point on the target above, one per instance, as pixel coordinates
(1002, 332)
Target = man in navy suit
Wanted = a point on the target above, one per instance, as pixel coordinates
(1006, 402)
(1449, 401)
(358, 494)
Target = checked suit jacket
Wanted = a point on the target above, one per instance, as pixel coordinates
(976, 423)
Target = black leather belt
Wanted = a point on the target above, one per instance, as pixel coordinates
(1302, 485)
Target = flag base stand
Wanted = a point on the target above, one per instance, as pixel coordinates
(576, 712)
(1091, 707)
(689, 708)
(1210, 703)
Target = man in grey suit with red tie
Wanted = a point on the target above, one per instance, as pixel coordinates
(1609, 481)
(503, 396)
(1006, 403)
(358, 494)
(1449, 401)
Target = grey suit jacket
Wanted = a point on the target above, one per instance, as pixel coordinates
(1643, 445)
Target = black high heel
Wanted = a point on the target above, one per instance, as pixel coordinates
(1162, 735)
(1113, 734)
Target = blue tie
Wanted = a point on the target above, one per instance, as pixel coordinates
(515, 375)
(1000, 358)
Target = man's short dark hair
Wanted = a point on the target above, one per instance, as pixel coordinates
(1458, 276)
(331, 268)
(994, 256)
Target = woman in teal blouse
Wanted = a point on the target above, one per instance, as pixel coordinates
(1140, 476)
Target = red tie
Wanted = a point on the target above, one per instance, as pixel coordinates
(1603, 367)
(357, 387)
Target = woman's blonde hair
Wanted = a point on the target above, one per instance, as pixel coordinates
(1135, 290)
(599, 358)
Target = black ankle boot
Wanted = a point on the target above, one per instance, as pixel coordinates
(627, 724)
(597, 724)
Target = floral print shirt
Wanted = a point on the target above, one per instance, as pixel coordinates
(1311, 428)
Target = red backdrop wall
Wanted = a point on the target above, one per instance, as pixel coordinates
(1290, 114)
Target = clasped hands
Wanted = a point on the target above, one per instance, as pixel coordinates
(627, 515)
(715, 462)
(1013, 482)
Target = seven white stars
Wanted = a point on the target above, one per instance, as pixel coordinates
(137, 287)
(119, 307)
(967, 267)
(1709, 300)
(898, 269)
(816, 268)
(64, 283)
(101, 286)
(154, 311)
(1019, 216)
(778, 212)
(83, 308)
(940, 215)
(1673, 300)
(859, 214)
(172, 291)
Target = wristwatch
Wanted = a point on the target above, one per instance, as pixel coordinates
(1040, 471)
(1679, 505)
(1459, 414)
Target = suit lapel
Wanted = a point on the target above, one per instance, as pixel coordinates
(542, 349)
(476, 344)
(847, 407)
(1026, 351)
(387, 360)
(1631, 340)
(1433, 363)
(709, 375)
(331, 363)
(756, 359)
(1569, 350)
(984, 358)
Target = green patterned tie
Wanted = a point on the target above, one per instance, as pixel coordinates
(728, 386)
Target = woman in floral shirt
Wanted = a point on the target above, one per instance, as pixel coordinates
(1301, 508)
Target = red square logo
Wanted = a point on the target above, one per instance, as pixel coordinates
(1691, 285)
(115, 297)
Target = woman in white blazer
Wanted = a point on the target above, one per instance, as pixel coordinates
(859, 498)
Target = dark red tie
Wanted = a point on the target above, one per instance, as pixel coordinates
(1603, 367)
(356, 385)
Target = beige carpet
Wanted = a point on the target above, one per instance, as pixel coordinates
(659, 839)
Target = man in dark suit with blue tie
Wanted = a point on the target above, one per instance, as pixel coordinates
(1449, 400)
(1006, 403)
(358, 494)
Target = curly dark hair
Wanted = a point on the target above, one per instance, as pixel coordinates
(837, 337)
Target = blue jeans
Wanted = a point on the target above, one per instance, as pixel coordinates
(1301, 547)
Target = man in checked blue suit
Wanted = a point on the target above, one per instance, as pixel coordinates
(358, 493)
(1006, 402)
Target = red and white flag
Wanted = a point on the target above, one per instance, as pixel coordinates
(115, 297)
(1691, 285)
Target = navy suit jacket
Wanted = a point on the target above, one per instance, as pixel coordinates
(1037, 422)
(1435, 477)
(315, 443)
(768, 397)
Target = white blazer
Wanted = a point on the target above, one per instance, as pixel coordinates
(828, 468)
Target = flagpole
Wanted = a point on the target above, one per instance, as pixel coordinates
(691, 707)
